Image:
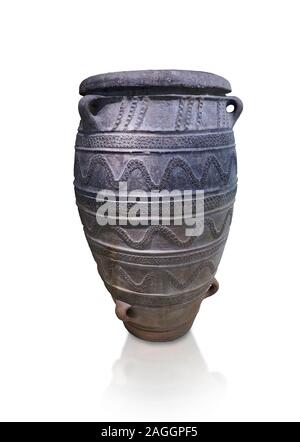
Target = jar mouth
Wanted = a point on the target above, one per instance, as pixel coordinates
(155, 82)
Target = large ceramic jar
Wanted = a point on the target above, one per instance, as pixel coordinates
(157, 131)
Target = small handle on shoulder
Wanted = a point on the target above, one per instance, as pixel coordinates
(87, 107)
(236, 110)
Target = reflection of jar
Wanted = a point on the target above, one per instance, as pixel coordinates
(169, 381)
(157, 131)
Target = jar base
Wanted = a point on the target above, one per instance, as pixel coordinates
(159, 335)
(165, 323)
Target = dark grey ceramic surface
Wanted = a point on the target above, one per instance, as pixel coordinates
(157, 130)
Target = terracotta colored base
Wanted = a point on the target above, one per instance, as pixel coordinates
(159, 336)
(164, 323)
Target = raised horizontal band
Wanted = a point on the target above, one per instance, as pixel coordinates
(211, 201)
(164, 259)
(154, 141)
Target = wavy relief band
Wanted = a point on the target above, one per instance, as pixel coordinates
(210, 202)
(149, 141)
(163, 231)
(135, 164)
(187, 257)
(150, 279)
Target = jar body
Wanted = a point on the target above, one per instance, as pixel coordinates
(156, 142)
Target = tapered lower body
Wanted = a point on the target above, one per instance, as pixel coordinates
(164, 323)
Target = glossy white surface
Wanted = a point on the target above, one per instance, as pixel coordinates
(64, 355)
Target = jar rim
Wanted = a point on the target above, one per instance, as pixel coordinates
(193, 82)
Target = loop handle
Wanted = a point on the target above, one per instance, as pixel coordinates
(238, 107)
(87, 108)
(122, 310)
(214, 287)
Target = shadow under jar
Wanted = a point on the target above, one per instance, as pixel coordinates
(156, 131)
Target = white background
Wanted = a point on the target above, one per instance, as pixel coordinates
(64, 355)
